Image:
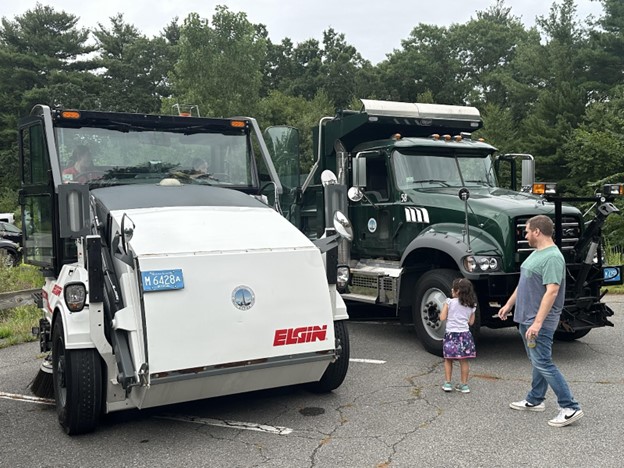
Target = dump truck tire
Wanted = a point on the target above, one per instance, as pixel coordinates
(432, 289)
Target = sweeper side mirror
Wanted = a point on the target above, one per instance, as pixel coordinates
(73, 210)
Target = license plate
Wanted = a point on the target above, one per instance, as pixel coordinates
(162, 280)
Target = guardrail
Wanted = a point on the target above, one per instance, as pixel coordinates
(12, 299)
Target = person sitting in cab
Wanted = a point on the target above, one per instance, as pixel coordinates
(200, 169)
(82, 169)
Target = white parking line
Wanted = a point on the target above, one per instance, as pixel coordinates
(277, 430)
(28, 398)
(368, 361)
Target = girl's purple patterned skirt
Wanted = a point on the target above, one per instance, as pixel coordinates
(459, 345)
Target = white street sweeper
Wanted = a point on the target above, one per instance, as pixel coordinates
(168, 275)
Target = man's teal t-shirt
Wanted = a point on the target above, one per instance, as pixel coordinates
(542, 267)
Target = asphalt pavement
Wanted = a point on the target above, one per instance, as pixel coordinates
(389, 412)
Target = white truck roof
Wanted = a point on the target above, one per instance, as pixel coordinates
(420, 111)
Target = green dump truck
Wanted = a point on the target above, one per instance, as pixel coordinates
(427, 207)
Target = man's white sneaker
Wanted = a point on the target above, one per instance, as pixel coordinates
(526, 406)
(566, 416)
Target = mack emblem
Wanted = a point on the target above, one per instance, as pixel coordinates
(287, 336)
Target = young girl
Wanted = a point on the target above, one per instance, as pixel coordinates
(458, 342)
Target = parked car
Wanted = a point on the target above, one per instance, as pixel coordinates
(7, 217)
(10, 253)
(11, 232)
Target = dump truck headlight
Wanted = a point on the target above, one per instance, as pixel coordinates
(75, 296)
(613, 189)
(477, 264)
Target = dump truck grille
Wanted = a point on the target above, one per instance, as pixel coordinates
(364, 281)
(571, 230)
(384, 283)
(382, 288)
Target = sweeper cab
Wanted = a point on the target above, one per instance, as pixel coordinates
(168, 277)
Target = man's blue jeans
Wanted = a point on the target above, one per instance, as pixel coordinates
(545, 372)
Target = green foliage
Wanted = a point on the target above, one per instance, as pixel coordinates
(135, 68)
(19, 278)
(280, 109)
(488, 45)
(16, 325)
(334, 67)
(605, 53)
(499, 128)
(43, 59)
(594, 154)
(614, 232)
(220, 63)
(8, 200)
(561, 94)
(428, 62)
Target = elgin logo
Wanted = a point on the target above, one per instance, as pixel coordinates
(288, 336)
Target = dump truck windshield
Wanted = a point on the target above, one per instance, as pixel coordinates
(117, 155)
(415, 170)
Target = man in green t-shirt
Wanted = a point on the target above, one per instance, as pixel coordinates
(538, 301)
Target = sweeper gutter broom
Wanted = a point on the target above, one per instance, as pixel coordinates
(42, 385)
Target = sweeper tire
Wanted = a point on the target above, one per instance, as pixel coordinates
(77, 376)
(335, 373)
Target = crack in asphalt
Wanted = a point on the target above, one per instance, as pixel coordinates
(416, 394)
(328, 437)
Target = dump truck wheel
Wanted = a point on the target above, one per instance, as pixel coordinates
(335, 373)
(430, 293)
(77, 377)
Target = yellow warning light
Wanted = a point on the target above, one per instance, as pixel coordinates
(544, 188)
(447, 137)
(70, 114)
(237, 123)
(458, 138)
(435, 136)
(396, 136)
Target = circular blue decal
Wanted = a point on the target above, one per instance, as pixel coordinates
(372, 225)
(243, 298)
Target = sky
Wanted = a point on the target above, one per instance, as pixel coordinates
(374, 27)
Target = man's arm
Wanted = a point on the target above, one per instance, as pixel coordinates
(548, 299)
(504, 311)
